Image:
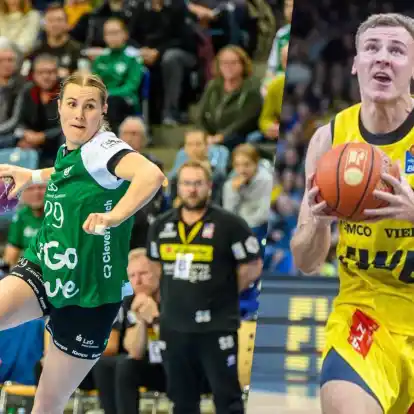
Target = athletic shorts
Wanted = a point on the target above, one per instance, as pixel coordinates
(76, 331)
(362, 351)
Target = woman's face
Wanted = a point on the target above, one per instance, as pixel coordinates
(230, 65)
(81, 114)
(244, 166)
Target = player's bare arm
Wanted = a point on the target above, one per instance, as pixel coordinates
(247, 273)
(24, 177)
(311, 241)
(146, 179)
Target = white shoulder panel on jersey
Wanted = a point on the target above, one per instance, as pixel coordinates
(132, 51)
(96, 154)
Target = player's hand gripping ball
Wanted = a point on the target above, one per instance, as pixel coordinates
(347, 176)
(7, 205)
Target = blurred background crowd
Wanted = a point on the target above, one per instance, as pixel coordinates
(194, 80)
(318, 85)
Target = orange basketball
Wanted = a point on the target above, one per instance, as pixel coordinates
(348, 174)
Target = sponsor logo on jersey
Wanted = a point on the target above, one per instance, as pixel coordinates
(69, 289)
(109, 143)
(409, 161)
(106, 254)
(168, 231)
(52, 187)
(252, 245)
(79, 354)
(30, 232)
(69, 258)
(208, 231)
(86, 343)
(66, 171)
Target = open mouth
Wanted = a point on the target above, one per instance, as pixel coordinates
(382, 78)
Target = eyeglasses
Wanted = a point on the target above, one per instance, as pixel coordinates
(186, 183)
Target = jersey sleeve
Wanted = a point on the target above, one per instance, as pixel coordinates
(97, 155)
(153, 251)
(244, 244)
(15, 233)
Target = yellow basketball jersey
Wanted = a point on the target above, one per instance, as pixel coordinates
(376, 260)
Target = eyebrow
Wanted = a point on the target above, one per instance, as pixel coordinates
(88, 100)
(397, 42)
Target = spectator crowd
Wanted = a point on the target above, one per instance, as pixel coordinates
(158, 59)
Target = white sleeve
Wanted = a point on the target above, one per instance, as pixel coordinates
(96, 154)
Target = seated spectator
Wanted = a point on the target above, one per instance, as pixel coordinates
(120, 68)
(132, 131)
(19, 23)
(89, 29)
(220, 15)
(168, 49)
(270, 116)
(196, 149)
(247, 193)
(230, 106)
(75, 9)
(12, 86)
(276, 64)
(58, 42)
(135, 358)
(25, 224)
(39, 126)
(218, 155)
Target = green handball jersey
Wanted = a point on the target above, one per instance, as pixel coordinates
(23, 228)
(79, 268)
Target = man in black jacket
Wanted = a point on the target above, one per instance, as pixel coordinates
(39, 126)
(162, 31)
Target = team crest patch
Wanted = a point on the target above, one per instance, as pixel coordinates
(208, 231)
(409, 160)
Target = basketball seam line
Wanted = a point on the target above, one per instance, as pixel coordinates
(367, 184)
(338, 187)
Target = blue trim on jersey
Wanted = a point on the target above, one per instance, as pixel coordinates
(336, 368)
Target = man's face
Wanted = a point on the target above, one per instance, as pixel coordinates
(193, 188)
(384, 63)
(56, 23)
(8, 63)
(140, 275)
(132, 133)
(45, 75)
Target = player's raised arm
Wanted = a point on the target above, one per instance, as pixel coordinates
(311, 241)
(146, 179)
(24, 177)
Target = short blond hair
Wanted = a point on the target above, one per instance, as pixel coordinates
(198, 165)
(137, 253)
(385, 20)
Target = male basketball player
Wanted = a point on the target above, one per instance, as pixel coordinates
(369, 357)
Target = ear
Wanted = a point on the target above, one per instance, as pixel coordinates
(58, 102)
(353, 70)
(105, 109)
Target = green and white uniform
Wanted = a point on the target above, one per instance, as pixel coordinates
(79, 268)
(274, 63)
(24, 226)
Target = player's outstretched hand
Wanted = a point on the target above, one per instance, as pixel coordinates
(97, 223)
(318, 210)
(400, 204)
(145, 307)
(22, 178)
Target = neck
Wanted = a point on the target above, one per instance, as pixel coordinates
(37, 212)
(192, 216)
(56, 41)
(387, 117)
(232, 84)
(4, 81)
